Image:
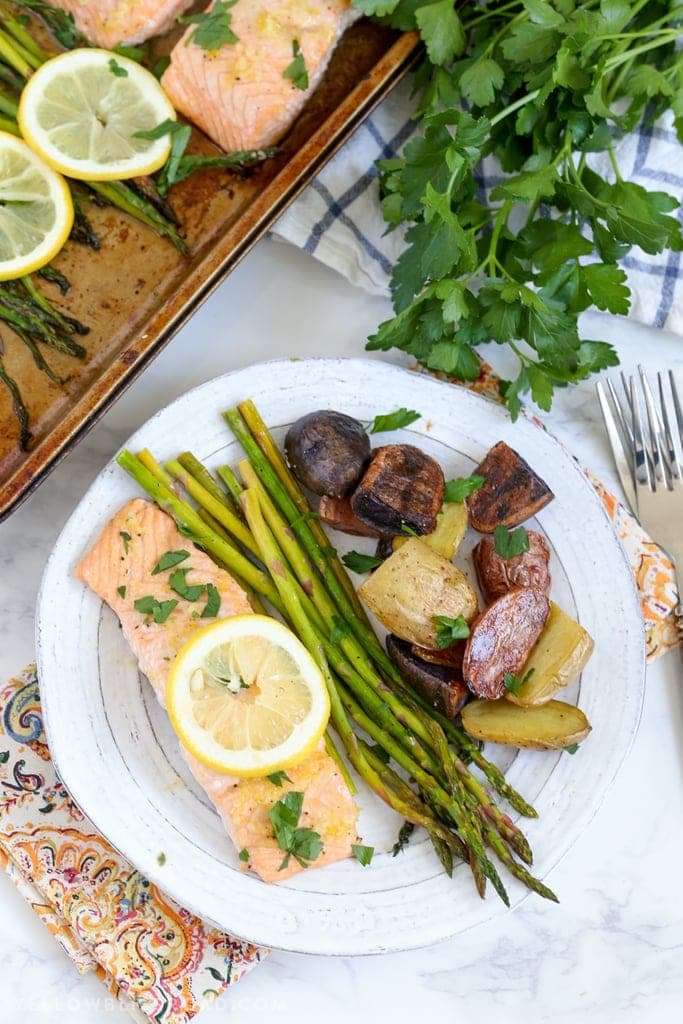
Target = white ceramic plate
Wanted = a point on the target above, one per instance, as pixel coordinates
(118, 756)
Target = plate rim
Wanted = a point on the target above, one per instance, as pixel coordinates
(155, 876)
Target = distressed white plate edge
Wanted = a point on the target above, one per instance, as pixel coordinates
(258, 914)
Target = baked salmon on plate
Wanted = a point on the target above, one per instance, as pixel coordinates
(120, 569)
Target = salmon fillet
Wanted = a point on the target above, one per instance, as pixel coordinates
(124, 556)
(110, 22)
(238, 94)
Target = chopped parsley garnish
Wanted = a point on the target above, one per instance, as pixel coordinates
(277, 778)
(244, 855)
(116, 68)
(510, 543)
(213, 27)
(168, 560)
(462, 487)
(126, 538)
(303, 844)
(167, 127)
(159, 610)
(513, 683)
(161, 859)
(296, 71)
(572, 748)
(393, 420)
(449, 631)
(213, 602)
(408, 530)
(363, 854)
(178, 583)
(359, 563)
(121, 591)
(136, 53)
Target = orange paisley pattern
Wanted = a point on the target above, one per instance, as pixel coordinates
(159, 960)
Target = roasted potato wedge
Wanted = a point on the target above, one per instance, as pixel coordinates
(511, 493)
(559, 655)
(451, 526)
(497, 575)
(551, 726)
(412, 587)
(501, 640)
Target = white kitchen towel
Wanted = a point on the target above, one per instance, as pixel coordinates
(339, 221)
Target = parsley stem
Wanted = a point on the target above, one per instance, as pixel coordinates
(613, 161)
(467, 25)
(614, 62)
(521, 102)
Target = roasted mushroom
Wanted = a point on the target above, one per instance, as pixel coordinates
(327, 452)
(511, 493)
(401, 488)
(497, 575)
(441, 685)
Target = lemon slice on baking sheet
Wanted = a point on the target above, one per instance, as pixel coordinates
(82, 112)
(246, 698)
(36, 211)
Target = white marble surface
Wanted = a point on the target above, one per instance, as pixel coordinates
(612, 951)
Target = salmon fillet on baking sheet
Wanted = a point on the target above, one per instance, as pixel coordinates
(238, 94)
(110, 22)
(124, 556)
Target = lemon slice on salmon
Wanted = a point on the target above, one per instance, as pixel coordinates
(246, 698)
(82, 112)
(36, 212)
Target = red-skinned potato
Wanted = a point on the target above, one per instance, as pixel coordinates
(441, 685)
(501, 640)
(497, 575)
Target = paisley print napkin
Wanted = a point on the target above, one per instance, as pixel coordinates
(159, 960)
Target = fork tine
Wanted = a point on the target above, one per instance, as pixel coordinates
(677, 406)
(642, 468)
(620, 452)
(674, 464)
(655, 430)
(622, 420)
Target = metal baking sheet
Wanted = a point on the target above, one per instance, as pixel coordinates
(137, 291)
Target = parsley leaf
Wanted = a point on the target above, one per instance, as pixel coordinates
(572, 748)
(121, 591)
(178, 583)
(441, 30)
(296, 71)
(277, 778)
(510, 543)
(363, 854)
(393, 420)
(244, 855)
(404, 833)
(167, 127)
(213, 602)
(514, 683)
(304, 844)
(161, 859)
(462, 487)
(159, 610)
(116, 68)
(168, 560)
(339, 630)
(126, 538)
(213, 29)
(449, 631)
(357, 562)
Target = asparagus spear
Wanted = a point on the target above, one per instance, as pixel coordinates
(17, 403)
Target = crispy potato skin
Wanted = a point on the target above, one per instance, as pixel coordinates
(501, 639)
(402, 486)
(441, 685)
(497, 575)
(559, 655)
(413, 586)
(451, 656)
(511, 493)
(551, 726)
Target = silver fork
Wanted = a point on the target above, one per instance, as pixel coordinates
(648, 452)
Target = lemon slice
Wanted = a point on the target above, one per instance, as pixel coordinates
(81, 112)
(36, 212)
(245, 697)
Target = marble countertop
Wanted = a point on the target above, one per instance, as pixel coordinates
(611, 951)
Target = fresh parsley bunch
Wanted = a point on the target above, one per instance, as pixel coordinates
(539, 84)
